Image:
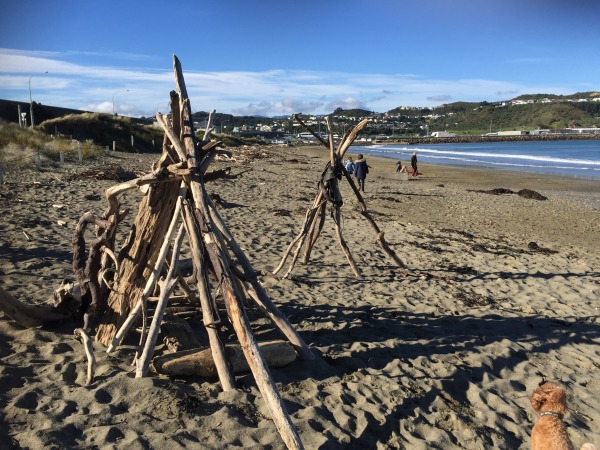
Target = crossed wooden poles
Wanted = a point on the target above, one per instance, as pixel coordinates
(329, 192)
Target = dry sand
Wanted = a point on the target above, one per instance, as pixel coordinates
(402, 362)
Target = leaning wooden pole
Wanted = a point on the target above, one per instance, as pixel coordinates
(257, 292)
(221, 267)
(210, 316)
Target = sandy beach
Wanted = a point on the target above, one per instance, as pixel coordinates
(505, 293)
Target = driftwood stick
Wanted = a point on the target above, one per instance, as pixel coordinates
(365, 213)
(161, 174)
(211, 321)
(209, 314)
(199, 361)
(257, 292)
(165, 291)
(185, 287)
(295, 256)
(162, 255)
(223, 277)
(347, 142)
(315, 232)
(175, 115)
(124, 329)
(81, 335)
(332, 153)
(307, 128)
(342, 241)
(308, 219)
(88, 272)
(171, 134)
(209, 127)
(241, 326)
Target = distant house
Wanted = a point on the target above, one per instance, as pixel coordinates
(442, 134)
(513, 133)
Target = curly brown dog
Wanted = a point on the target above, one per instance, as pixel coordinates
(550, 432)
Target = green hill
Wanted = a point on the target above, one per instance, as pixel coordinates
(480, 118)
(103, 129)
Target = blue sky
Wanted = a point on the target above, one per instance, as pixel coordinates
(281, 57)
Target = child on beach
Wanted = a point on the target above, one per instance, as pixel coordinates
(349, 165)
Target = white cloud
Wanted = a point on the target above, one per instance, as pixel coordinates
(273, 92)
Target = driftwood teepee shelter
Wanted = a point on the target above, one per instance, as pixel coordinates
(329, 193)
(115, 286)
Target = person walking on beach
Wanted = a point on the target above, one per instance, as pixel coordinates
(361, 170)
(413, 164)
(349, 165)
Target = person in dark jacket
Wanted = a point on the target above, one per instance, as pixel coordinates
(413, 165)
(361, 170)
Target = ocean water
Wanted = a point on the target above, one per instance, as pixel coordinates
(573, 158)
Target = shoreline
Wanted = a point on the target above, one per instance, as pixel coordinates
(484, 139)
(479, 175)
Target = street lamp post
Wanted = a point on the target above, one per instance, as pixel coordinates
(31, 101)
(113, 99)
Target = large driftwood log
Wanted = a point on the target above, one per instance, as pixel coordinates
(138, 256)
(200, 362)
(27, 315)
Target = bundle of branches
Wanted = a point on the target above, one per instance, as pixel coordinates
(114, 287)
(329, 193)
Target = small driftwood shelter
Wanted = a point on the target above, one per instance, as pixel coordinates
(329, 193)
(113, 288)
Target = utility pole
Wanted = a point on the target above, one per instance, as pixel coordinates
(31, 102)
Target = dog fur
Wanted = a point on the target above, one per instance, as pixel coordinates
(550, 432)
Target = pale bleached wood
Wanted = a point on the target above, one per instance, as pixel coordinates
(200, 362)
(312, 229)
(81, 334)
(165, 291)
(87, 269)
(308, 219)
(210, 317)
(343, 244)
(351, 137)
(365, 213)
(314, 233)
(188, 152)
(138, 256)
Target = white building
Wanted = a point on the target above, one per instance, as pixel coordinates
(442, 134)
